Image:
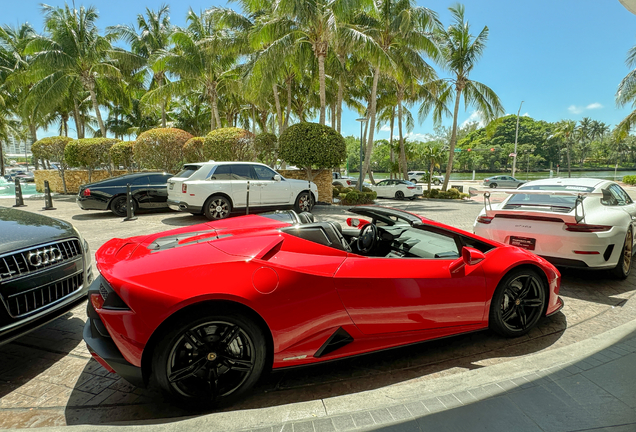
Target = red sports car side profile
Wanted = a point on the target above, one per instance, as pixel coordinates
(206, 309)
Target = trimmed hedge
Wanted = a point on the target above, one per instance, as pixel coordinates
(355, 197)
(121, 153)
(452, 193)
(229, 144)
(161, 148)
(53, 149)
(193, 150)
(310, 145)
(630, 180)
(89, 153)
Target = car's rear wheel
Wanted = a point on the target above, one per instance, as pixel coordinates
(399, 195)
(217, 207)
(210, 358)
(413, 180)
(493, 185)
(624, 266)
(518, 303)
(118, 206)
(437, 182)
(303, 202)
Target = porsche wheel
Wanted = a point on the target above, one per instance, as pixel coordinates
(399, 195)
(303, 203)
(518, 303)
(210, 359)
(493, 185)
(118, 206)
(624, 266)
(217, 207)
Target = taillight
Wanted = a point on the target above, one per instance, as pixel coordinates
(86, 192)
(348, 182)
(484, 219)
(586, 228)
(184, 188)
(486, 180)
(410, 187)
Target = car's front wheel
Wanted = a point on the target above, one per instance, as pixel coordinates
(493, 185)
(303, 202)
(437, 182)
(624, 266)
(413, 180)
(210, 358)
(217, 207)
(518, 303)
(399, 195)
(118, 206)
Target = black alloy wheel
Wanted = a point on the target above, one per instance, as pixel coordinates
(624, 266)
(413, 180)
(399, 195)
(118, 206)
(303, 203)
(493, 185)
(518, 303)
(217, 207)
(211, 359)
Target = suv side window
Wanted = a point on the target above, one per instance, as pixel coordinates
(222, 172)
(264, 173)
(243, 172)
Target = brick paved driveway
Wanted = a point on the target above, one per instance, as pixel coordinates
(48, 378)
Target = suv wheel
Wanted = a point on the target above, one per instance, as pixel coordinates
(303, 202)
(217, 207)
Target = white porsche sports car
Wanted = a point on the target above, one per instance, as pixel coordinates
(583, 222)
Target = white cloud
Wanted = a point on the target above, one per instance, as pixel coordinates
(385, 128)
(575, 109)
(419, 137)
(474, 117)
(525, 115)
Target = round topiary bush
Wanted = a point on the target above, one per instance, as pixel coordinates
(161, 148)
(229, 144)
(311, 145)
(89, 153)
(121, 153)
(193, 150)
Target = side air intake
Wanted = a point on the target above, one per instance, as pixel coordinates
(337, 340)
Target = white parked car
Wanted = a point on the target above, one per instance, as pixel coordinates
(422, 176)
(398, 189)
(584, 222)
(218, 188)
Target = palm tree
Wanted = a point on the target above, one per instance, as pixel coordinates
(153, 40)
(626, 93)
(566, 130)
(460, 52)
(435, 155)
(75, 55)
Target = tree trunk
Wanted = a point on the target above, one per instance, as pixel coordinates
(371, 122)
(289, 105)
(279, 113)
(98, 114)
(78, 120)
(567, 148)
(391, 157)
(1, 160)
(215, 108)
(339, 104)
(453, 141)
(321, 78)
(403, 167)
(163, 104)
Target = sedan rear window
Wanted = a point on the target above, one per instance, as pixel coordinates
(187, 171)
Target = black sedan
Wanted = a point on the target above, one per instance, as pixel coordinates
(45, 271)
(149, 190)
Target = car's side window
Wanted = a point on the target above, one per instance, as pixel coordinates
(620, 195)
(140, 181)
(222, 172)
(264, 173)
(243, 172)
(158, 179)
(608, 198)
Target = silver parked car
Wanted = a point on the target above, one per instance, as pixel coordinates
(503, 181)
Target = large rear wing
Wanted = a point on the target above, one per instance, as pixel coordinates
(578, 194)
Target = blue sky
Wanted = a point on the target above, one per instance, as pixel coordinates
(563, 58)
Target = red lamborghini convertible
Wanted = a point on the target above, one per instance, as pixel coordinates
(206, 309)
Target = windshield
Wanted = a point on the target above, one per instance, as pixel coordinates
(187, 171)
(558, 201)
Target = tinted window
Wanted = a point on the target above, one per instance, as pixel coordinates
(620, 194)
(548, 200)
(243, 172)
(188, 170)
(159, 178)
(222, 172)
(140, 181)
(264, 173)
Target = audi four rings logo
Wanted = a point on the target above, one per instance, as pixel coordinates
(44, 256)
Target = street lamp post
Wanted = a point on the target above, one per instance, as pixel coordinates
(362, 121)
(514, 158)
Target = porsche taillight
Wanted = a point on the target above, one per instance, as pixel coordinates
(484, 219)
(573, 227)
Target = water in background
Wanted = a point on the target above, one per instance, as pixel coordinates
(522, 175)
(7, 189)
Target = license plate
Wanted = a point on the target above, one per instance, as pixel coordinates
(523, 242)
(171, 186)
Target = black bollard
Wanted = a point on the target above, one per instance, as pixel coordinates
(130, 209)
(19, 200)
(247, 206)
(48, 201)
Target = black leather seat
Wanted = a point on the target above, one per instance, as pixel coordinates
(325, 233)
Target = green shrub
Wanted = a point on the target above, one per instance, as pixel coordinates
(266, 147)
(193, 150)
(366, 189)
(121, 153)
(356, 197)
(630, 180)
(464, 195)
(453, 193)
(434, 193)
(425, 194)
(311, 145)
(52, 149)
(345, 189)
(89, 153)
(336, 192)
(229, 144)
(161, 148)
(442, 195)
